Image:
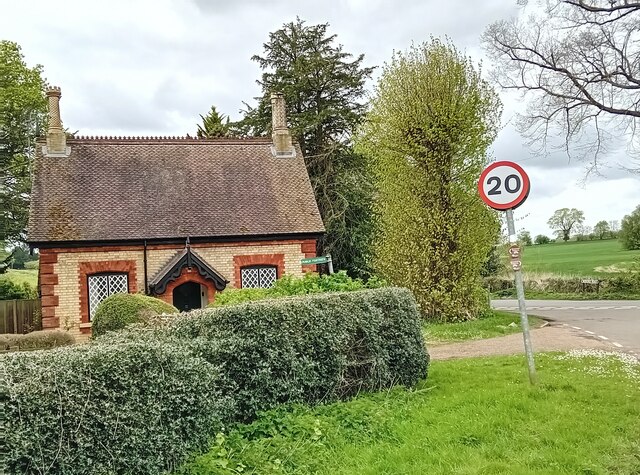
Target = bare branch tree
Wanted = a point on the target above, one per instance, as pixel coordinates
(578, 61)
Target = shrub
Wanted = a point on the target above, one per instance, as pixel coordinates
(137, 407)
(8, 341)
(10, 290)
(140, 400)
(542, 239)
(616, 286)
(38, 340)
(119, 310)
(310, 349)
(288, 286)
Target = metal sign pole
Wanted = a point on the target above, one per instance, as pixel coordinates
(524, 321)
(330, 263)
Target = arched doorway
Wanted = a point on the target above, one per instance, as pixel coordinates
(187, 296)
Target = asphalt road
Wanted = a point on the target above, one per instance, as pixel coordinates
(615, 321)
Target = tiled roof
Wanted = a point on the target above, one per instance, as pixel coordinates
(124, 188)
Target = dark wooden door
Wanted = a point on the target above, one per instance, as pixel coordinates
(187, 296)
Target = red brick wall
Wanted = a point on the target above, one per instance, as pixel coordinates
(49, 280)
(309, 250)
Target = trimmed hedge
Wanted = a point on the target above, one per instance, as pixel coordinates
(288, 286)
(127, 408)
(38, 340)
(119, 310)
(310, 349)
(140, 400)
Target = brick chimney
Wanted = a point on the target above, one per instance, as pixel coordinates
(56, 136)
(282, 146)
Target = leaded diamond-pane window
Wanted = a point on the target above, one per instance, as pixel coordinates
(258, 277)
(103, 285)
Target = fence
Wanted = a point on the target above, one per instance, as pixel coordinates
(20, 316)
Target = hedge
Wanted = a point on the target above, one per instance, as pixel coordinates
(10, 290)
(119, 310)
(127, 408)
(310, 349)
(140, 400)
(623, 283)
(38, 340)
(289, 286)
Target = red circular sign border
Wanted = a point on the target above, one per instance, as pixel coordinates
(515, 203)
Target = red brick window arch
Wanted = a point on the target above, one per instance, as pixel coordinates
(96, 268)
(258, 270)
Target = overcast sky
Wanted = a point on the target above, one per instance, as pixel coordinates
(150, 67)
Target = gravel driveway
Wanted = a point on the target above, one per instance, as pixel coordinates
(553, 337)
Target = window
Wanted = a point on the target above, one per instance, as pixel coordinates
(258, 277)
(103, 285)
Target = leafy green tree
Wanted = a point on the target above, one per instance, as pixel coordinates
(542, 239)
(630, 230)
(324, 90)
(213, 125)
(563, 221)
(525, 238)
(22, 112)
(427, 135)
(601, 229)
(493, 264)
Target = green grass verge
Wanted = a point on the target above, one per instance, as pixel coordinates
(495, 324)
(472, 416)
(22, 275)
(583, 258)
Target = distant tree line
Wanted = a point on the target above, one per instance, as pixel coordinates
(568, 223)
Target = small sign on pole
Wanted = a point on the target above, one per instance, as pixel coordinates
(504, 186)
(319, 260)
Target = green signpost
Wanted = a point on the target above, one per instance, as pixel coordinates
(319, 260)
(315, 260)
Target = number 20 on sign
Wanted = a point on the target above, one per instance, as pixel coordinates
(505, 186)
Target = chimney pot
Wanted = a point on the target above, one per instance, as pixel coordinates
(56, 136)
(280, 134)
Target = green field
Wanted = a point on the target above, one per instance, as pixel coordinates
(471, 416)
(583, 258)
(22, 275)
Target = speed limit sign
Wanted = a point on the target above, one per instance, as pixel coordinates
(503, 185)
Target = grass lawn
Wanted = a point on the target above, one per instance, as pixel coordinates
(22, 275)
(496, 324)
(583, 258)
(472, 416)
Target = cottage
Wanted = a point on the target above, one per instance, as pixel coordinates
(178, 218)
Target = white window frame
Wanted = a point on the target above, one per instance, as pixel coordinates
(262, 271)
(110, 282)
